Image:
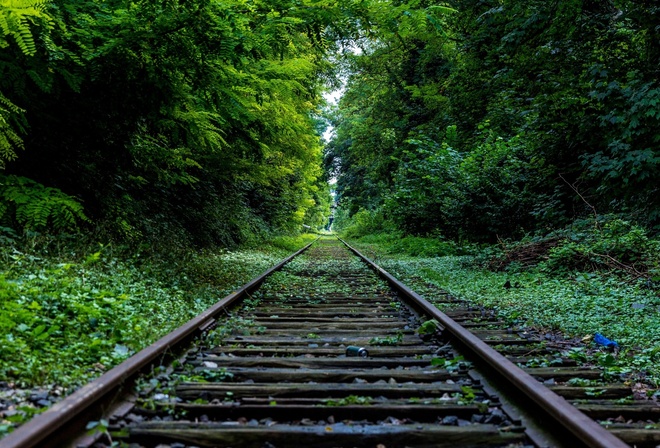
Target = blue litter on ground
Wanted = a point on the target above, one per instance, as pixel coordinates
(602, 340)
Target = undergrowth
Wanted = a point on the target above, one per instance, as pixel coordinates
(70, 311)
(292, 243)
(596, 277)
(371, 228)
(395, 243)
(598, 244)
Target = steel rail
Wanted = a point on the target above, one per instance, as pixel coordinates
(582, 427)
(41, 428)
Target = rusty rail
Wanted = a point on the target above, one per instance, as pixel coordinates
(38, 431)
(582, 427)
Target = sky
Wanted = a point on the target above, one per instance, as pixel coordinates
(332, 98)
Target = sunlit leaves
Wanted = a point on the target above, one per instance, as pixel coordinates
(15, 19)
(35, 207)
(9, 139)
(178, 103)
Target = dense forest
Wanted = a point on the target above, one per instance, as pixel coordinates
(481, 119)
(191, 121)
(199, 121)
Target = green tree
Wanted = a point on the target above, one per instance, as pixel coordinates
(544, 97)
(178, 117)
(16, 19)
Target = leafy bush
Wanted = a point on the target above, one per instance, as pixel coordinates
(607, 243)
(293, 243)
(15, 19)
(29, 205)
(69, 311)
(9, 139)
(429, 246)
(365, 222)
(424, 247)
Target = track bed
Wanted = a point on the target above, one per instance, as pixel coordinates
(288, 380)
(329, 352)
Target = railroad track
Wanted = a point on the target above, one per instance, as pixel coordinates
(331, 352)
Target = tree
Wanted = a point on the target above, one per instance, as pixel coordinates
(538, 94)
(139, 109)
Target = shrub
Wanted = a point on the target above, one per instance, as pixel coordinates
(29, 205)
(415, 246)
(365, 222)
(292, 243)
(607, 243)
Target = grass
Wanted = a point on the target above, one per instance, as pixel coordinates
(577, 304)
(293, 243)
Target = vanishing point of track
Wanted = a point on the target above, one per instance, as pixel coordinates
(332, 351)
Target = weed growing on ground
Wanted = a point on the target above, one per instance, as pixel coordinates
(68, 315)
(293, 243)
(387, 340)
(350, 400)
(578, 304)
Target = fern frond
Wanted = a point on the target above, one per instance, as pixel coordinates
(33, 206)
(45, 84)
(441, 9)
(9, 140)
(5, 104)
(15, 19)
(4, 24)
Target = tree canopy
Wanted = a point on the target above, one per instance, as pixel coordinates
(199, 121)
(188, 119)
(479, 119)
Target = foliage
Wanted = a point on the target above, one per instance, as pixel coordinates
(198, 134)
(452, 364)
(9, 139)
(290, 243)
(602, 243)
(575, 303)
(29, 205)
(15, 19)
(608, 243)
(364, 223)
(476, 120)
(16, 16)
(350, 400)
(496, 119)
(429, 327)
(422, 199)
(387, 340)
(427, 246)
(68, 312)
